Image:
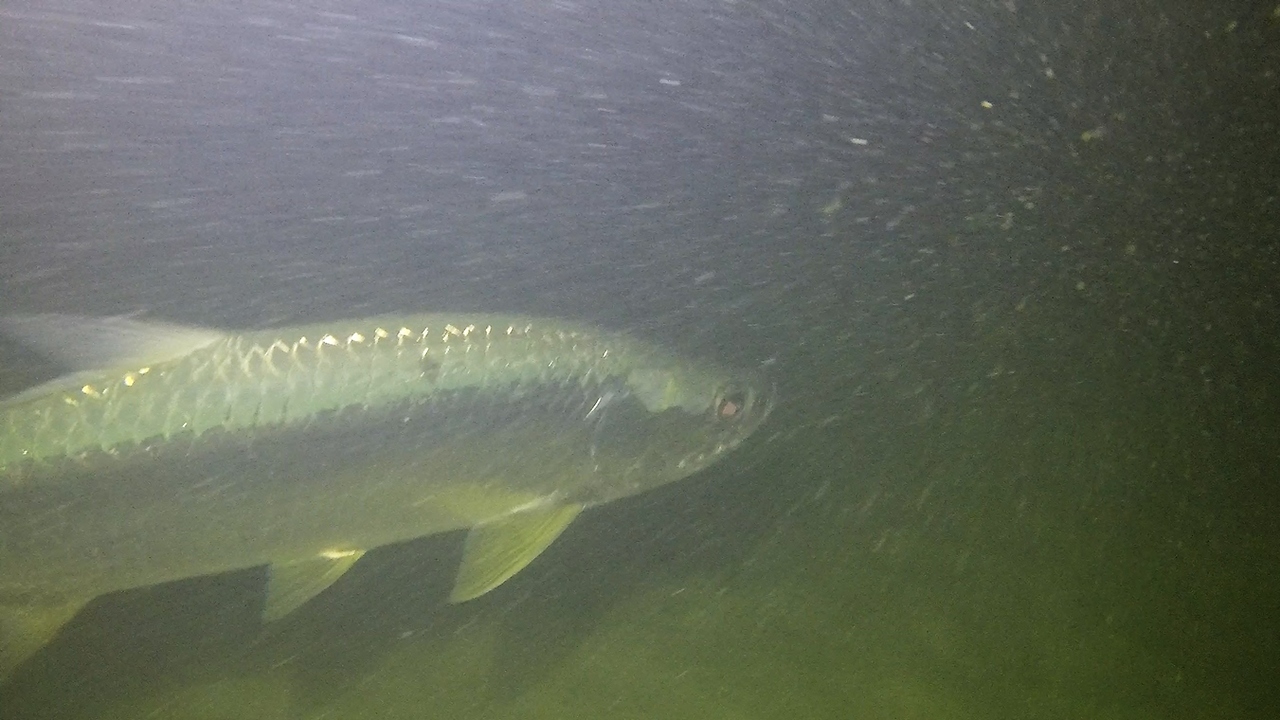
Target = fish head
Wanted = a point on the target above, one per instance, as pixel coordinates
(670, 420)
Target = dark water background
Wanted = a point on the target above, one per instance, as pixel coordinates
(1013, 266)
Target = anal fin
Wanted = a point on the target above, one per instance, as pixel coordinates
(24, 629)
(498, 549)
(290, 584)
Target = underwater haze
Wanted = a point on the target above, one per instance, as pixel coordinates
(1009, 268)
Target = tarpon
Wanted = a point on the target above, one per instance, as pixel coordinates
(170, 452)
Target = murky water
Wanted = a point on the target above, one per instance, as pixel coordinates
(1010, 268)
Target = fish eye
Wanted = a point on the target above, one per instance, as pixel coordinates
(730, 403)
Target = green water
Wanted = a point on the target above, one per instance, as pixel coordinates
(1027, 551)
(1014, 265)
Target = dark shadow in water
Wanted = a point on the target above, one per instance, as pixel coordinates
(339, 637)
(544, 614)
(129, 644)
(397, 594)
(687, 530)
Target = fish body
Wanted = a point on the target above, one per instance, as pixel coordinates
(174, 452)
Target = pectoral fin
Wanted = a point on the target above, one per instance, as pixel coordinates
(498, 549)
(289, 584)
(24, 629)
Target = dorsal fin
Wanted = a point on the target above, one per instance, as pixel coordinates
(83, 344)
